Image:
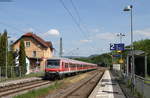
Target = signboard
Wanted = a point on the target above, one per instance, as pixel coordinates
(116, 67)
(116, 55)
(117, 46)
(121, 61)
(112, 46)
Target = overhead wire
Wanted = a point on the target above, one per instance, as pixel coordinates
(74, 19)
(79, 17)
(77, 12)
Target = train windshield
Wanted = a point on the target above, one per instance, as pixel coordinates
(53, 63)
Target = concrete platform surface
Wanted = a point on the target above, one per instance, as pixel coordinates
(107, 88)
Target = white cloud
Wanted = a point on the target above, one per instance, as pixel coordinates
(144, 32)
(53, 32)
(96, 30)
(85, 41)
(106, 36)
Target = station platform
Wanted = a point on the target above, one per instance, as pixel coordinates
(107, 88)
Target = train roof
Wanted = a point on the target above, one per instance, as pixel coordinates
(71, 61)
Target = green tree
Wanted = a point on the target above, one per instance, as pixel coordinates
(3, 52)
(102, 59)
(22, 58)
(0, 53)
(11, 64)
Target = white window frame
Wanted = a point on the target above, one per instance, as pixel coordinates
(28, 45)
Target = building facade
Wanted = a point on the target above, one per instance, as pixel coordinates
(37, 50)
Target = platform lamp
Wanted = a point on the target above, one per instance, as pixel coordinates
(120, 35)
(130, 8)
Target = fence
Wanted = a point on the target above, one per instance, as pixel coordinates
(11, 72)
(142, 85)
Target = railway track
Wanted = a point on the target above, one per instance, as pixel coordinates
(81, 89)
(14, 89)
(73, 92)
(84, 89)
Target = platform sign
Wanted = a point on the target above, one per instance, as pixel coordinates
(112, 46)
(116, 55)
(116, 67)
(121, 61)
(117, 46)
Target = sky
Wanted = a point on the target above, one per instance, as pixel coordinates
(87, 27)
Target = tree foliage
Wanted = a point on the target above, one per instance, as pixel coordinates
(22, 58)
(102, 60)
(3, 52)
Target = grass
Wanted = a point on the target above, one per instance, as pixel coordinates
(147, 80)
(38, 74)
(40, 92)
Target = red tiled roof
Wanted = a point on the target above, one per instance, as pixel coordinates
(38, 39)
(49, 43)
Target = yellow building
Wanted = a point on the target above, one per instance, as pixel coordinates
(37, 50)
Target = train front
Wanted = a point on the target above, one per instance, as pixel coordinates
(52, 68)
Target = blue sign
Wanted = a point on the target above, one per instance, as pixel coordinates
(117, 46)
(116, 55)
(112, 46)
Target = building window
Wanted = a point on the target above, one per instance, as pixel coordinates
(34, 54)
(27, 44)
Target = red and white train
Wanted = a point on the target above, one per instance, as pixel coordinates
(59, 67)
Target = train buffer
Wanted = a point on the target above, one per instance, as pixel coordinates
(107, 88)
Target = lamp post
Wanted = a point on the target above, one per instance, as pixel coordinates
(129, 8)
(120, 35)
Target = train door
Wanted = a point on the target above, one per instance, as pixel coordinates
(66, 66)
(69, 66)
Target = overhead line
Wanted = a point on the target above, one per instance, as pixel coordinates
(73, 18)
(75, 8)
(77, 12)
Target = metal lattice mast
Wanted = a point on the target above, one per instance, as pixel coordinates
(61, 49)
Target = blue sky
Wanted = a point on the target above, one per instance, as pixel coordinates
(100, 21)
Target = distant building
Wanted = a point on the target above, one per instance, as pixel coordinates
(37, 50)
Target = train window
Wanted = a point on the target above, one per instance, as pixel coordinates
(53, 64)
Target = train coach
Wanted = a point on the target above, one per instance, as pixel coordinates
(59, 67)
